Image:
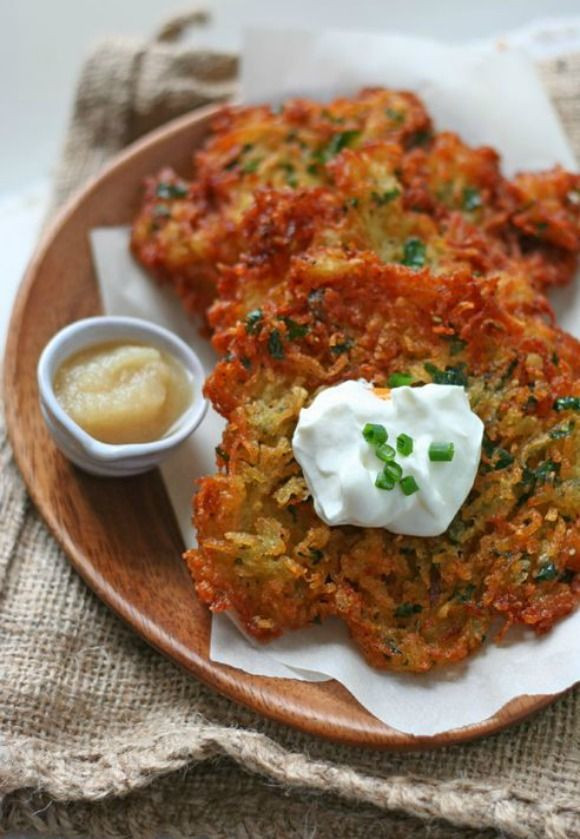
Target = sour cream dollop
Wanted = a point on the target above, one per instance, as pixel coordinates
(340, 466)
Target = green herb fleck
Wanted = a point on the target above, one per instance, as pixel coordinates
(316, 555)
(471, 198)
(275, 346)
(414, 253)
(465, 594)
(161, 211)
(567, 403)
(339, 349)
(251, 166)
(336, 144)
(393, 649)
(450, 376)
(395, 116)
(405, 610)
(295, 330)
(290, 171)
(546, 471)
(562, 431)
(419, 138)
(456, 345)
(331, 117)
(547, 572)
(382, 198)
(504, 459)
(254, 321)
(168, 191)
(222, 454)
(487, 445)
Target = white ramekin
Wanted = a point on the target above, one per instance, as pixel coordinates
(104, 458)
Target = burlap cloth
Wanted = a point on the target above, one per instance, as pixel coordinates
(102, 737)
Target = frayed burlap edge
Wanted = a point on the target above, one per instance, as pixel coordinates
(124, 769)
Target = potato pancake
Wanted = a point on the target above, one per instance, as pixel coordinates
(513, 550)
(368, 173)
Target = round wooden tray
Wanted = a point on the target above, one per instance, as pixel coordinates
(120, 534)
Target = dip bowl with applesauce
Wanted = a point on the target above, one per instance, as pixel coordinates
(118, 394)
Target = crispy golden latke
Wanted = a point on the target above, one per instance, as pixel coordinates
(367, 173)
(513, 550)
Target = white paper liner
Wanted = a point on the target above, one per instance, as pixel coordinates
(488, 97)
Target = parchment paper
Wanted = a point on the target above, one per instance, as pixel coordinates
(487, 96)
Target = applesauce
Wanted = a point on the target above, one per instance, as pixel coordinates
(123, 392)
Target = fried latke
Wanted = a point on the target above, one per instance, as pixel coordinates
(366, 173)
(513, 550)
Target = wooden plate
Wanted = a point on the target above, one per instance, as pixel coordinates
(117, 531)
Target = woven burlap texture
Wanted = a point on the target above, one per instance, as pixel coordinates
(90, 715)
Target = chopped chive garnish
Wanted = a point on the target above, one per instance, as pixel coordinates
(375, 434)
(399, 379)
(393, 470)
(409, 485)
(385, 452)
(441, 452)
(404, 444)
(384, 480)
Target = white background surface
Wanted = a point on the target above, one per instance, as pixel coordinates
(42, 44)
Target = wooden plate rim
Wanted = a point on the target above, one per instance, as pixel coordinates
(233, 683)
